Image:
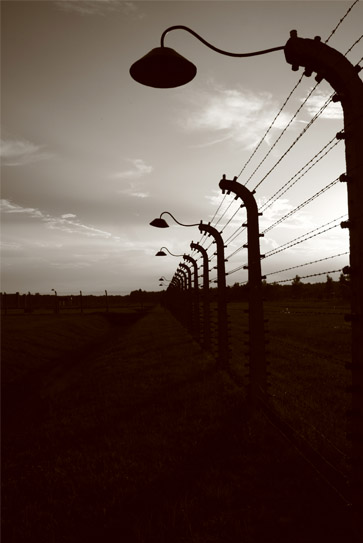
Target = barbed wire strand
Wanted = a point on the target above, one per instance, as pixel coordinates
(306, 276)
(300, 239)
(232, 217)
(223, 214)
(304, 237)
(270, 127)
(340, 21)
(307, 263)
(307, 167)
(219, 207)
(310, 123)
(236, 233)
(303, 204)
(282, 133)
(354, 44)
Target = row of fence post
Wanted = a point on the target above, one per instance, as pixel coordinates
(28, 303)
(180, 295)
(182, 281)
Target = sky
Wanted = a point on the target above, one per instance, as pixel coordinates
(89, 156)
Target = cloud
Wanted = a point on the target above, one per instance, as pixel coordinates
(332, 111)
(139, 169)
(134, 189)
(21, 152)
(134, 186)
(67, 222)
(97, 7)
(235, 114)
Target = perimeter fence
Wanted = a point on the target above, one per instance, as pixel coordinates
(300, 361)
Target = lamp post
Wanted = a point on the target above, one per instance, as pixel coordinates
(159, 222)
(164, 68)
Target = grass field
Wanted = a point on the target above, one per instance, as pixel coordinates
(128, 433)
(308, 346)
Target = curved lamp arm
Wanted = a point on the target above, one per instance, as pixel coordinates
(170, 253)
(172, 216)
(181, 27)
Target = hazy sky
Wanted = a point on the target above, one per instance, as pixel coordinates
(90, 157)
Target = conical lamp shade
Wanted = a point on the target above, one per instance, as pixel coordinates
(160, 253)
(159, 223)
(163, 68)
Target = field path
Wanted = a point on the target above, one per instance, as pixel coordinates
(142, 440)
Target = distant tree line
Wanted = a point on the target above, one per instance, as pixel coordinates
(329, 290)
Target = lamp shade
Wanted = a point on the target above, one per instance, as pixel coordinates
(159, 223)
(163, 68)
(160, 253)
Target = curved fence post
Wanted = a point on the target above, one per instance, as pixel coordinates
(333, 66)
(206, 308)
(257, 351)
(223, 354)
(188, 300)
(195, 297)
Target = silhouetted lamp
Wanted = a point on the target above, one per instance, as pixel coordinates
(160, 253)
(159, 223)
(164, 68)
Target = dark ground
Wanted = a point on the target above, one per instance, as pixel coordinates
(135, 437)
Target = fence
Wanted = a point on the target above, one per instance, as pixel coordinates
(12, 304)
(309, 390)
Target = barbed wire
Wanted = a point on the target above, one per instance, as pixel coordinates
(236, 233)
(232, 217)
(292, 92)
(310, 123)
(281, 134)
(304, 237)
(271, 125)
(340, 21)
(309, 165)
(308, 276)
(223, 214)
(307, 263)
(219, 207)
(354, 44)
(235, 252)
(302, 205)
(292, 181)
